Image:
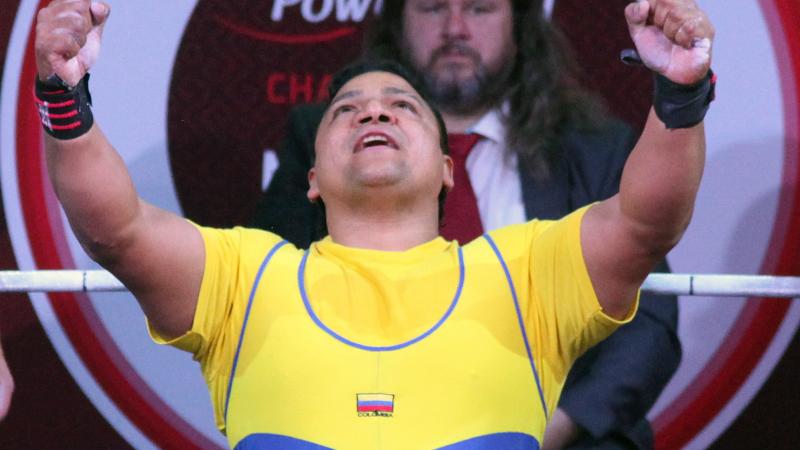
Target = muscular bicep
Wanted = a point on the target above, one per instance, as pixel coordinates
(162, 265)
(615, 256)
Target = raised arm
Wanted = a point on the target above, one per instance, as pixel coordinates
(158, 255)
(626, 235)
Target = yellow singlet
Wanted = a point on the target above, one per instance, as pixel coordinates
(440, 346)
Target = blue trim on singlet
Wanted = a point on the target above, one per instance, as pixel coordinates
(519, 318)
(247, 316)
(301, 282)
(266, 441)
(505, 441)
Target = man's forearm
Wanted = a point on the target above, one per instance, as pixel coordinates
(93, 185)
(625, 236)
(158, 255)
(660, 182)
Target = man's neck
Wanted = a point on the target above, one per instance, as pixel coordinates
(381, 227)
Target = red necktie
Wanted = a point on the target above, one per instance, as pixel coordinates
(462, 221)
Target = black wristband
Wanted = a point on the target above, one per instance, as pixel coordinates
(680, 105)
(65, 112)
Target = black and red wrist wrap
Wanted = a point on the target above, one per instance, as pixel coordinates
(66, 113)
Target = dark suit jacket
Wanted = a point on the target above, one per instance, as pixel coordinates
(609, 389)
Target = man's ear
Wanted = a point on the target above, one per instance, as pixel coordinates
(313, 191)
(447, 173)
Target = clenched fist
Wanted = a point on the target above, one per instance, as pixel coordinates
(68, 38)
(673, 38)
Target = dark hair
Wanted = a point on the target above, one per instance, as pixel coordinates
(367, 65)
(542, 89)
(385, 65)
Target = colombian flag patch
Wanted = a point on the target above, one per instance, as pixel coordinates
(375, 405)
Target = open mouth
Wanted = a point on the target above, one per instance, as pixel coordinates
(371, 140)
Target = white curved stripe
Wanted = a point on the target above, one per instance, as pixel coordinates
(20, 239)
(725, 112)
(752, 385)
(93, 391)
(739, 197)
(548, 7)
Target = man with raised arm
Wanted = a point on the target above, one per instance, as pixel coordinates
(383, 335)
(526, 144)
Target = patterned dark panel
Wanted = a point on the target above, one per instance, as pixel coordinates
(236, 76)
(598, 32)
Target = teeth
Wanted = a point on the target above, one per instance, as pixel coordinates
(372, 139)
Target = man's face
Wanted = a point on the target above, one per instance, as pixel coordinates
(461, 47)
(378, 133)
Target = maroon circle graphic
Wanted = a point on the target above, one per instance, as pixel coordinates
(240, 67)
(279, 81)
(198, 104)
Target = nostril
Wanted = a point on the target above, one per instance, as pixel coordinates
(365, 119)
(383, 118)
